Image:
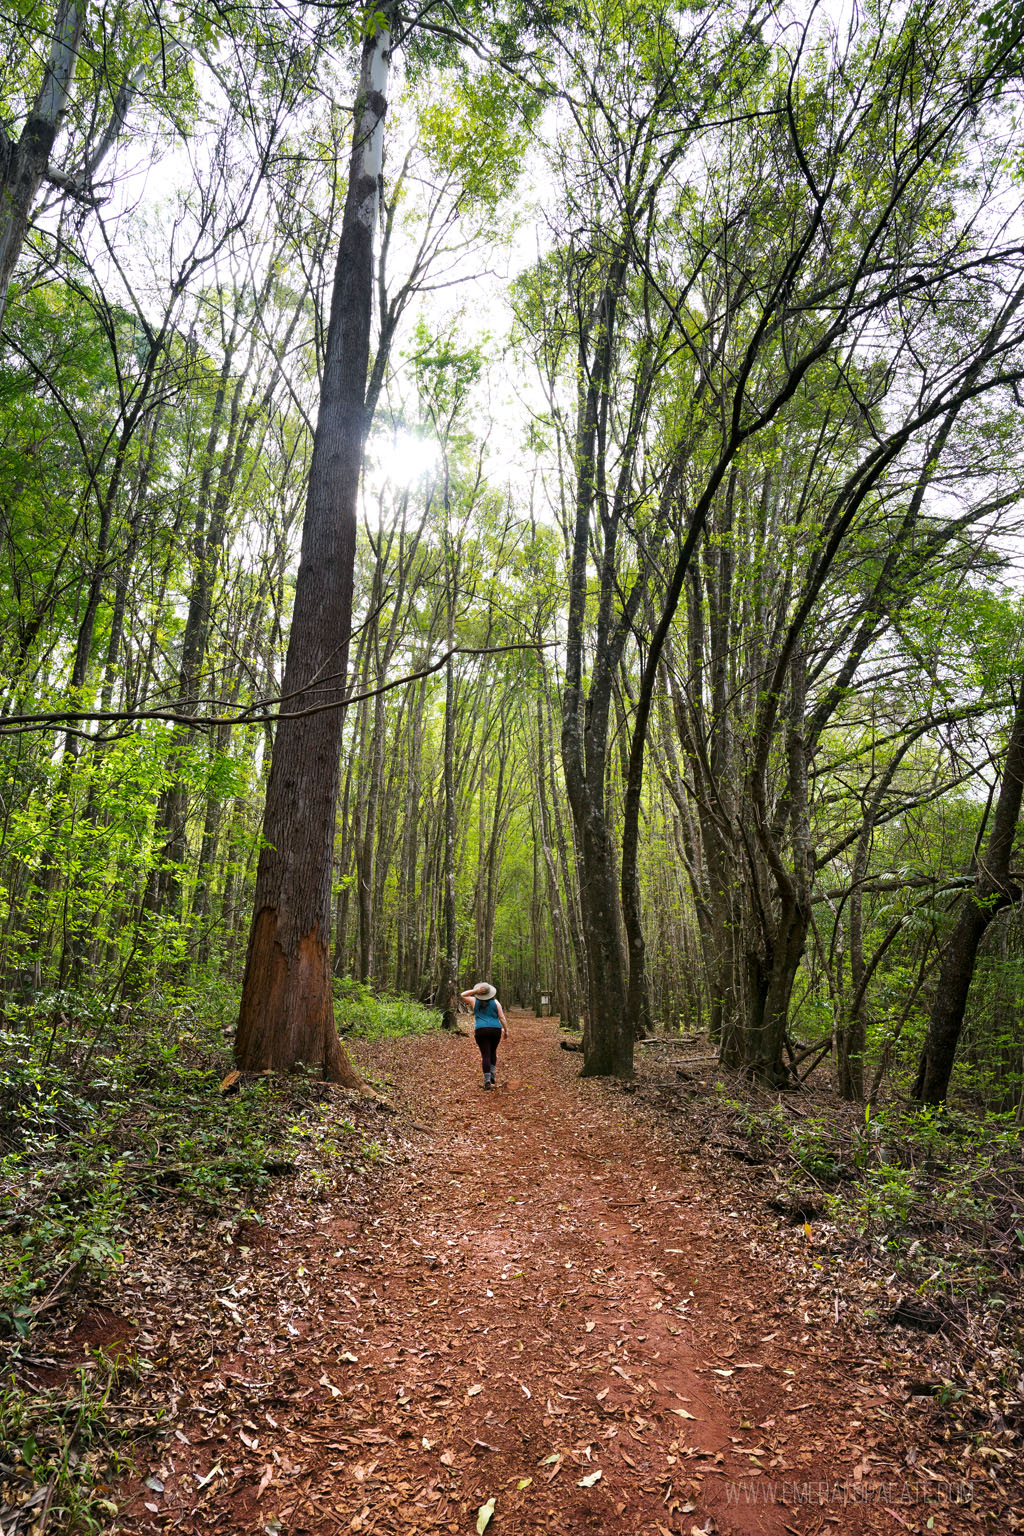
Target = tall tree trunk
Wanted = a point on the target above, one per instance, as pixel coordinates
(449, 957)
(286, 1012)
(407, 962)
(163, 890)
(568, 867)
(344, 865)
(638, 997)
(851, 1036)
(992, 890)
(24, 164)
(566, 991)
(366, 847)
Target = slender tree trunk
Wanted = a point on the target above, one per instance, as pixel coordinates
(341, 874)
(481, 960)
(491, 862)
(163, 892)
(568, 867)
(449, 958)
(286, 1010)
(24, 164)
(407, 974)
(563, 978)
(366, 850)
(851, 1037)
(992, 890)
(123, 572)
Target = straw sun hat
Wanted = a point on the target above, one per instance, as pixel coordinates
(485, 991)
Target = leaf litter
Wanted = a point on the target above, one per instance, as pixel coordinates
(334, 1393)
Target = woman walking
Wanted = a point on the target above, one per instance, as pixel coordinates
(489, 1024)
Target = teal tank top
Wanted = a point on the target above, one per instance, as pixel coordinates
(485, 1011)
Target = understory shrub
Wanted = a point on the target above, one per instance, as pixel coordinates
(107, 1115)
(363, 1014)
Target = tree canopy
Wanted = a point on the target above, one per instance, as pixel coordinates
(676, 374)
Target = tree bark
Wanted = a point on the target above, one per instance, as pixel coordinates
(449, 958)
(407, 963)
(24, 164)
(287, 1012)
(608, 1039)
(992, 890)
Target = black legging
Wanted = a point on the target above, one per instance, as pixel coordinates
(488, 1040)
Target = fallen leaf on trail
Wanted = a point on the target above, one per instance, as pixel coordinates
(155, 1483)
(447, 1459)
(472, 1392)
(524, 1482)
(266, 1479)
(588, 1482)
(807, 1230)
(250, 1440)
(683, 1413)
(201, 1482)
(334, 1391)
(483, 1518)
(352, 1359)
(549, 1459)
(720, 1373)
(591, 1327)
(426, 1444)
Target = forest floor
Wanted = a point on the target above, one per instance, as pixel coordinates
(544, 1311)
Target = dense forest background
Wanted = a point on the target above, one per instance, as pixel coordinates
(692, 441)
(684, 680)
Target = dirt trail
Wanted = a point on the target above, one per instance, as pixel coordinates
(546, 1301)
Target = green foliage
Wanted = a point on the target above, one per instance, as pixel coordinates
(50, 1436)
(925, 1171)
(105, 1118)
(363, 1014)
(96, 1126)
(477, 128)
(926, 1184)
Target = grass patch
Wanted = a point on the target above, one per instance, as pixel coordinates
(60, 1450)
(365, 1015)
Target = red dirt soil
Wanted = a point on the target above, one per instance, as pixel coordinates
(546, 1299)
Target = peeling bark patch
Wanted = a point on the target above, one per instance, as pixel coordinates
(287, 1013)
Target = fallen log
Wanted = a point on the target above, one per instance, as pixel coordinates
(675, 1040)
